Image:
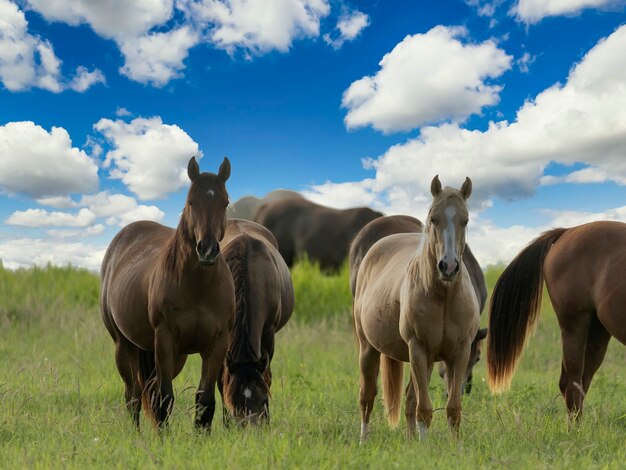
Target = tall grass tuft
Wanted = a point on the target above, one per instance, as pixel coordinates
(321, 296)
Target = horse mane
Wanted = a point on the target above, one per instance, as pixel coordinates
(236, 256)
(173, 254)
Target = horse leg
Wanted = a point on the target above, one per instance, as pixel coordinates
(369, 363)
(456, 375)
(574, 334)
(165, 356)
(212, 365)
(597, 343)
(421, 368)
(410, 410)
(127, 361)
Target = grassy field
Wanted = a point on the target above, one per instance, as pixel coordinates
(61, 396)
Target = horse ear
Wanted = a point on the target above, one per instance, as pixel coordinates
(435, 186)
(466, 189)
(264, 361)
(224, 171)
(481, 334)
(193, 170)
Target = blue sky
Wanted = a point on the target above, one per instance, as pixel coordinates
(350, 102)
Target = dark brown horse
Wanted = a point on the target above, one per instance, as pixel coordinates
(166, 293)
(305, 228)
(389, 225)
(583, 268)
(265, 299)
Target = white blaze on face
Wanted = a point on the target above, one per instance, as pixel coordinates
(449, 237)
(210, 192)
(247, 393)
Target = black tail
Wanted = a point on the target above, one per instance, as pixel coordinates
(514, 309)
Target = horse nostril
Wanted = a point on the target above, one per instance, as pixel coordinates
(199, 247)
(442, 266)
(458, 266)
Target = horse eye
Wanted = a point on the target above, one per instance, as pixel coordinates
(464, 222)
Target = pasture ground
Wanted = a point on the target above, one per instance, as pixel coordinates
(61, 397)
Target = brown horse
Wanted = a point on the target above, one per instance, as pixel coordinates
(415, 303)
(583, 268)
(248, 206)
(166, 293)
(321, 233)
(389, 225)
(265, 300)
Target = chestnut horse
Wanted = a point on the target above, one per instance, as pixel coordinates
(583, 268)
(166, 293)
(415, 303)
(265, 299)
(389, 225)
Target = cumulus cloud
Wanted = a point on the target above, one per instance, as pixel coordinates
(84, 79)
(40, 164)
(427, 78)
(525, 61)
(348, 28)
(257, 26)
(120, 209)
(148, 156)
(25, 252)
(583, 120)
(157, 58)
(533, 11)
(27, 60)
(43, 218)
(97, 229)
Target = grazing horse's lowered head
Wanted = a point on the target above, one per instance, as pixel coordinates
(246, 389)
(204, 215)
(447, 219)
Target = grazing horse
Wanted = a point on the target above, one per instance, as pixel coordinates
(166, 293)
(321, 233)
(389, 225)
(264, 303)
(583, 268)
(415, 303)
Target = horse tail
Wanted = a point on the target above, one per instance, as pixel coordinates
(392, 371)
(147, 379)
(514, 309)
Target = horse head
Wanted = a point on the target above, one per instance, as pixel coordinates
(246, 389)
(204, 214)
(447, 219)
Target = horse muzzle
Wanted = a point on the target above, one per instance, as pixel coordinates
(207, 252)
(448, 271)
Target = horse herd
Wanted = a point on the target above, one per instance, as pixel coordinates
(221, 287)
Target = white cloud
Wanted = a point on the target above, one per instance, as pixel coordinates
(257, 26)
(533, 11)
(349, 27)
(84, 79)
(157, 58)
(42, 218)
(97, 229)
(122, 112)
(29, 61)
(120, 209)
(485, 7)
(581, 121)
(111, 19)
(427, 78)
(148, 156)
(40, 164)
(25, 252)
(525, 61)
(58, 202)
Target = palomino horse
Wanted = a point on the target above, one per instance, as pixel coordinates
(265, 300)
(415, 303)
(389, 225)
(583, 268)
(166, 293)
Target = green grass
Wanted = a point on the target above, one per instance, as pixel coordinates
(61, 396)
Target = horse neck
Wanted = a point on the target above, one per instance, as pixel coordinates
(177, 254)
